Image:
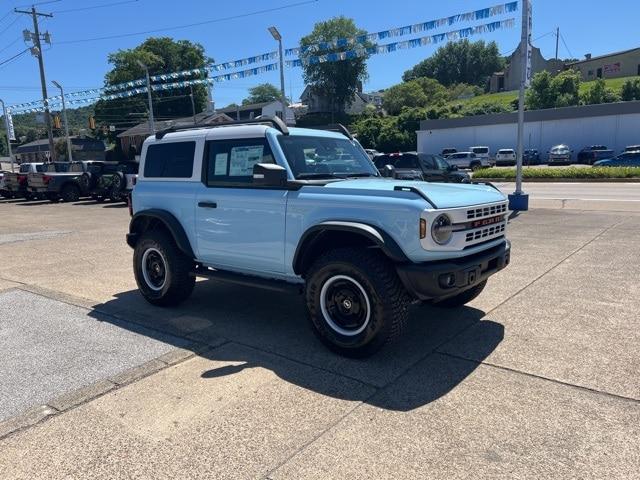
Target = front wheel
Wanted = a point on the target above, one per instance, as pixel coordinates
(70, 193)
(162, 271)
(462, 298)
(356, 301)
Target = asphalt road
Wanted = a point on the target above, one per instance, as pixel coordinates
(605, 192)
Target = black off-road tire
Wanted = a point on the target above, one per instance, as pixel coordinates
(462, 298)
(70, 193)
(387, 297)
(116, 192)
(178, 283)
(53, 197)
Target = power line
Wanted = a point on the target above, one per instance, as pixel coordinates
(102, 5)
(10, 25)
(15, 56)
(177, 27)
(565, 45)
(11, 44)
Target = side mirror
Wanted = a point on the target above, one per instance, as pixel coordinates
(269, 175)
(388, 171)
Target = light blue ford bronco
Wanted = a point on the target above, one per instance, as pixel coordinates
(261, 204)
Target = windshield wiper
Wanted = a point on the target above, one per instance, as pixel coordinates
(303, 176)
(358, 175)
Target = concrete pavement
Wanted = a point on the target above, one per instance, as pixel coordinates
(537, 378)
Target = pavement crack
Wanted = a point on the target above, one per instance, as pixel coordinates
(542, 377)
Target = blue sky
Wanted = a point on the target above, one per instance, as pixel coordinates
(587, 27)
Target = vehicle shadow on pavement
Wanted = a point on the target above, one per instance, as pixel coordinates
(253, 328)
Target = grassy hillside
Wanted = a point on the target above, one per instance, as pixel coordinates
(505, 98)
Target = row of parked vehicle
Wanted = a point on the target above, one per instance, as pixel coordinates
(557, 155)
(70, 181)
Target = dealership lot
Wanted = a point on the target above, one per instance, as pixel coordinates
(537, 378)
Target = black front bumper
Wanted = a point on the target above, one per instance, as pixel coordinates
(439, 280)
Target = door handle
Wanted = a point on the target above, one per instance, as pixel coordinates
(208, 204)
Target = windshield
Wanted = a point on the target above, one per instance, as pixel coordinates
(325, 157)
(480, 150)
(560, 149)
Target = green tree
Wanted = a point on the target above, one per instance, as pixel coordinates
(368, 129)
(630, 90)
(547, 91)
(460, 62)
(407, 94)
(265, 92)
(599, 93)
(161, 55)
(337, 81)
(421, 92)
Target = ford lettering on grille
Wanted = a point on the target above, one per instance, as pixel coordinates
(486, 221)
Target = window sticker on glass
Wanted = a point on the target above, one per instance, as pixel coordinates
(243, 159)
(221, 164)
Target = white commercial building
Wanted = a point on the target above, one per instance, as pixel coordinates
(615, 125)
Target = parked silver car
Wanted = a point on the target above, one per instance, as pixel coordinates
(560, 155)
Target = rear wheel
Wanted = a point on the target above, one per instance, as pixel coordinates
(356, 301)
(53, 197)
(162, 271)
(462, 298)
(475, 166)
(70, 193)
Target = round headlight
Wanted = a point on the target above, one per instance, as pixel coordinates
(441, 229)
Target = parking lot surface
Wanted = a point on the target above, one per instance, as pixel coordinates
(536, 378)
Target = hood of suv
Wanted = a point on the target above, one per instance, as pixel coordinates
(443, 195)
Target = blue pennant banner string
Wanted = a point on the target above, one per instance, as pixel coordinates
(407, 44)
(166, 86)
(406, 30)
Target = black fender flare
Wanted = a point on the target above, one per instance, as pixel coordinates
(141, 220)
(374, 234)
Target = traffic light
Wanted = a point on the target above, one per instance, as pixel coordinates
(92, 123)
(56, 122)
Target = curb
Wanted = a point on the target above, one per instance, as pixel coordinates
(561, 180)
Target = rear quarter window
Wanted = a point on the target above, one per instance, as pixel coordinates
(170, 160)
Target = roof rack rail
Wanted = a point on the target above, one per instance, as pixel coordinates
(334, 127)
(275, 122)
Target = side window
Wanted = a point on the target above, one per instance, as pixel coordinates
(169, 160)
(231, 162)
(407, 161)
(428, 162)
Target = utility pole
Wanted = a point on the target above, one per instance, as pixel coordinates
(37, 51)
(519, 201)
(557, 40)
(152, 125)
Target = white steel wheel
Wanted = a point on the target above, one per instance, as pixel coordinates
(345, 305)
(154, 269)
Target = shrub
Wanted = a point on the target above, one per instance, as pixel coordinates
(568, 172)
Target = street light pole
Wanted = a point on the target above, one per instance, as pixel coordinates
(6, 122)
(519, 201)
(152, 128)
(66, 122)
(276, 36)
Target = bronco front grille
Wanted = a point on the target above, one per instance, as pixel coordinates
(485, 233)
(486, 211)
